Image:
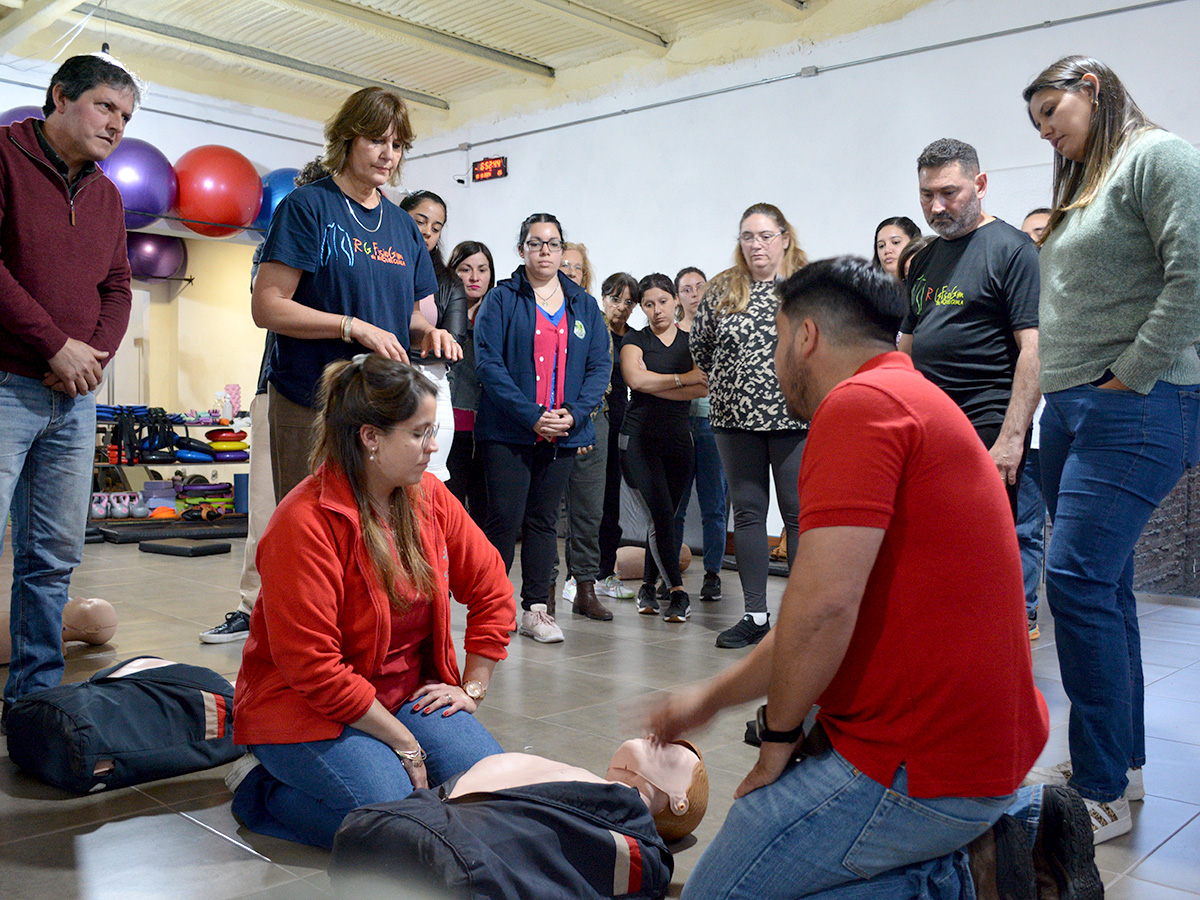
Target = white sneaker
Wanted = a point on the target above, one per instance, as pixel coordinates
(614, 587)
(569, 590)
(1109, 820)
(239, 770)
(1061, 774)
(540, 625)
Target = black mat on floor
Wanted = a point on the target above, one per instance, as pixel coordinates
(775, 567)
(182, 547)
(134, 532)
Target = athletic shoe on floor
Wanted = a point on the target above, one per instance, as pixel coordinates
(612, 586)
(679, 607)
(711, 589)
(743, 634)
(661, 593)
(239, 770)
(647, 603)
(539, 625)
(236, 627)
(569, 590)
(1061, 774)
(1109, 820)
(1034, 631)
(1063, 853)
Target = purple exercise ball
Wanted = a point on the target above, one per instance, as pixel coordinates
(154, 257)
(20, 113)
(146, 180)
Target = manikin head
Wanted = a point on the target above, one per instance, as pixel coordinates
(671, 778)
(89, 619)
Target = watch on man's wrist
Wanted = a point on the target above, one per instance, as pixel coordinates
(767, 736)
(475, 690)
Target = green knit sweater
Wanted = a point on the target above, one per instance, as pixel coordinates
(1121, 277)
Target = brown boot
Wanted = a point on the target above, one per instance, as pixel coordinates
(586, 603)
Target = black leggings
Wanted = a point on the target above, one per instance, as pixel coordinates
(659, 466)
(610, 522)
(525, 484)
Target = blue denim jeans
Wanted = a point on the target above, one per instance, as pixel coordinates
(825, 830)
(1108, 459)
(47, 447)
(1031, 529)
(711, 492)
(301, 792)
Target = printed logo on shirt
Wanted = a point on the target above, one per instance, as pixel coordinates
(580, 331)
(949, 296)
(336, 243)
(922, 295)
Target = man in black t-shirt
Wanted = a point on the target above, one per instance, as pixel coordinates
(972, 322)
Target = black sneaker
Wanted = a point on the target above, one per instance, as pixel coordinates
(647, 603)
(661, 593)
(743, 634)
(236, 627)
(679, 608)
(1063, 852)
(711, 589)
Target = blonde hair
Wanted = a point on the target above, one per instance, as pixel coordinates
(374, 390)
(1115, 119)
(581, 249)
(732, 286)
(368, 113)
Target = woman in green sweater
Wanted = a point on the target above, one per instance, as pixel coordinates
(1120, 316)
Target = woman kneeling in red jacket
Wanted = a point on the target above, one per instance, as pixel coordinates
(349, 691)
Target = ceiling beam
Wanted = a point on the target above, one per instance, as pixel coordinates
(29, 19)
(360, 19)
(788, 6)
(605, 22)
(254, 56)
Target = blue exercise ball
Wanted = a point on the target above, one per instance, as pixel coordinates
(276, 185)
(146, 180)
(20, 113)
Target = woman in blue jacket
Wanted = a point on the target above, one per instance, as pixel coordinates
(541, 353)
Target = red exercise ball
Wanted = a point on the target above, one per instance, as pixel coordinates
(219, 190)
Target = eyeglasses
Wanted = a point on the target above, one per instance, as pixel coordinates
(429, 435)
(571, 267)
(617, 301)
(533, 245)
(763, 237)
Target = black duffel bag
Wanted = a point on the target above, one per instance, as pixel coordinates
(140, 720)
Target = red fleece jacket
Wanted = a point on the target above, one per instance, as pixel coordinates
(64, 272)
(321, 627)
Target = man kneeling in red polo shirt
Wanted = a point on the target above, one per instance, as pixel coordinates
(903, 621)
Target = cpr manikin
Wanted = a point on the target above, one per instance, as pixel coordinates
(91, 620)
(670, 778)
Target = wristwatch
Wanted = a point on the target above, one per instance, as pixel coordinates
(475, 690)
(767, 736)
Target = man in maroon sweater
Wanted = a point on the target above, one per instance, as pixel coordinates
(64, 305)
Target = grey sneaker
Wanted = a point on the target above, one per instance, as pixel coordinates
(612, 587)
(239, 770)
(236, 627)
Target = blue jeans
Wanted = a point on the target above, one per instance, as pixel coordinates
(47, 448)
(825, 830)
(1108, 459)
(709, 479)
(301, 792)
(1031, 529)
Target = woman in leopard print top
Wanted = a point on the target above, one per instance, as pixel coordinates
(733, 341)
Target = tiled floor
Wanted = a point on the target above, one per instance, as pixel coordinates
(573, 701)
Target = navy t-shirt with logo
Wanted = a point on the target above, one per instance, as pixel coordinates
(368, 263)
(966, 298)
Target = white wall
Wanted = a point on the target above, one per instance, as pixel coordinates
(661, 189)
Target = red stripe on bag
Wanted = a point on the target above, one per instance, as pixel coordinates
(627, 867)
(214, 715)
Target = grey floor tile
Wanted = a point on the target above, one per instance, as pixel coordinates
(1173, 720)
(1130, 888)
(1174, 864)
(1155, 820)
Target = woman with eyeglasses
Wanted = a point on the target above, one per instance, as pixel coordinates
(733, 340)
(1120, 319)
(541, 353)
(350, 691)
(620, 294)
(447, 309)
(656, 445)
(343, 270)
(576, 265)
(708, 476)
(471, 262)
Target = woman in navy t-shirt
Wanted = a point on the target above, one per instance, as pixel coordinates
(342, 272)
